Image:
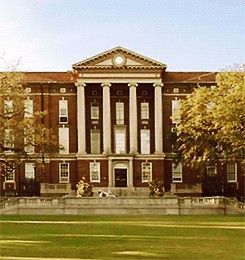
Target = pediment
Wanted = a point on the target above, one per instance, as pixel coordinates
(118, 57)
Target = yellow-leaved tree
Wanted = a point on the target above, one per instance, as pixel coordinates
(212, 122)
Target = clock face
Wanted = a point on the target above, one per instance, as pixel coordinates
(119, 60)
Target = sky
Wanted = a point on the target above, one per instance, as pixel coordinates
(187, 35)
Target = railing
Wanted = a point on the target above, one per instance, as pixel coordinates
(56, 188)
(181, 188)
(121, 205)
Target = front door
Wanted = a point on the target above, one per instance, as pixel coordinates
(120, 177)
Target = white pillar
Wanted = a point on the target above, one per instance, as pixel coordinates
(110, 173)
(158, 118)
(81, 129)
(133, 133)
(106, 118)
(131, 172)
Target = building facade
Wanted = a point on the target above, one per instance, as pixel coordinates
(112, 115)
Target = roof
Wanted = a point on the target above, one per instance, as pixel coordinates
(49, 77)
(137, 60)
(168, 77)
(189, 77)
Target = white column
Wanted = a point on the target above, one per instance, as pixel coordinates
(81, 129)
(158, 118)
(106, 118)
(110, 173)
(133, 133)
(131, 172)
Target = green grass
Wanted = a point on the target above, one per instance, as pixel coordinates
(123, 237)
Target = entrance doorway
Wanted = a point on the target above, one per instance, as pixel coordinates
(120, 177)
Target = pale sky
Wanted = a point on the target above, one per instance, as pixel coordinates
(187, 35)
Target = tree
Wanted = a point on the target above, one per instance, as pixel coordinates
(212, 122)
(22, 131)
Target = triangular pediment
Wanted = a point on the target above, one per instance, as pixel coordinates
(118, 57)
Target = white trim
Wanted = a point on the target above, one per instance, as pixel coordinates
(120, 139)
(63, 111)
(29, 171)
(94, 166)
(144, 164)
(12, 180)
(145, 141)
(178, 179)
(64, 139)
(235, 173)
(209, 167)
(68, 173)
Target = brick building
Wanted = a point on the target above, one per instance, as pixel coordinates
(112, 114)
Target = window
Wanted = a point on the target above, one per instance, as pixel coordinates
(63, 111)
(211, 170)
(29, 171)
(28, 90)
(64, 139)
(232, 172)
(95, 111)
(145, 141)
(94, 171)
(64, 172)
(176, 172)
(62, 90)
(95, 141)
(8, 107)
(8, 139)
(176, 90)
(29, 141)
(28, 108)
(119, 113)
(144, 110)
(175, 107)
(146, 171)
(120, 140)
(9, 174)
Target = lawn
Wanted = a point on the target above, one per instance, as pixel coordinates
(122, 237)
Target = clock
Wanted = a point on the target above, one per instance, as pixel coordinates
(119, 60)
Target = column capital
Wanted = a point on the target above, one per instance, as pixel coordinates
(158, 84)
(80, 84)
(132, 84)
(105, 84)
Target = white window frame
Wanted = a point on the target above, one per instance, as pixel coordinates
(144, 109)
(175, 107)
(12, 174)
(94, 171)
(146, 171)
(28, 108)
(95, 111)
(62, 90)
(64, 166)
(120, 113)
(29, 148)
(29, 171)
(64, 139)
(145, 141)
(95, 141)
(229, 172)
(9, 139)
(177, 173)
(211, 170)
(120, 140)
(63, 111)
(8, 107)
